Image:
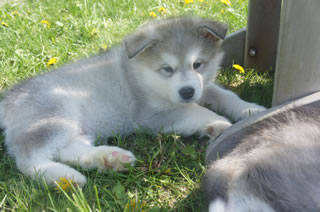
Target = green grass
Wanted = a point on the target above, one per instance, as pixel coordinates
(250, 86)
(169, 169)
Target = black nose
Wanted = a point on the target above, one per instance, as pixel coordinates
(186, 92)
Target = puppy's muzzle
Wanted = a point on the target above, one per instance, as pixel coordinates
(186, 93)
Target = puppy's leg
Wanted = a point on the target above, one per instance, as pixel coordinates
(39, 166)
(228, 103)
(80, 152)
(38, 147)
(35, 146)
(192, 118)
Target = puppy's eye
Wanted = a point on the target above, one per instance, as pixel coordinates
(196, 65)
(168, 69)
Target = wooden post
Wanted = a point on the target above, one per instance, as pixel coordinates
(298, 57)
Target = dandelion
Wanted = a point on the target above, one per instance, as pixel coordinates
(52, 61)
(64, 184)
(152, 14)
(167, 171)
(188, 1)
(93, 32)
(162, 10)
(133, 205)
(105, 46)
(222, 11)
(239, 68)
(15, 13)
(176, 137)
(45, 22)
(226, 2)
(4, 24)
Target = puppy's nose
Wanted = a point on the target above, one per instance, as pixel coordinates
(186, 92)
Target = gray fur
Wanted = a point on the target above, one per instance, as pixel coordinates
(276, 161)
(53, 118)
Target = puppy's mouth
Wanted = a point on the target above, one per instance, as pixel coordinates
(187, 100)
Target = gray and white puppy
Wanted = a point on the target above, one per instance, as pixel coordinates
(155, 79)
(275, 166)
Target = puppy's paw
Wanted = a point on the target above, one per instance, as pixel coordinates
(62, 175)
(114, 158)
(215, 128)
(251, 110)
(66, 184)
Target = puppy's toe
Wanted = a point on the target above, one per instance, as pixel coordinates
(119, 159)
(64, 181)
(250, 112)
(66, 184)
(217, 127)
(115, 158)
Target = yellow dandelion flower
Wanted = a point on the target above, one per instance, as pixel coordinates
(15, 13)
(239, 68)
(162, 10)
(226, 2)
(188, 1)
(52, 61)
(133, 205)
(222, 11)
(45, 22)
(105, 46)
(152, 14)
(4, 24)
(64, 184)
(176, 137)
(93, 32)
(167, 171)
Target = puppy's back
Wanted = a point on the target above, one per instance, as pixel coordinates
(274, 168)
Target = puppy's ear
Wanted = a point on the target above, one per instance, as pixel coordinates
(213, 30)
(137, 43)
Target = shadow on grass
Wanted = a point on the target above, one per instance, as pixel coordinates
(193, 203)
(251, 86)
(261, 94)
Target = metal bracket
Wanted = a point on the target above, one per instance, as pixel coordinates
(262, 34)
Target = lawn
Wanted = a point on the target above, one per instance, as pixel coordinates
(39, 35)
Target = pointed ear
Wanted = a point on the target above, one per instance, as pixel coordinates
(213, 30)
(137, 43)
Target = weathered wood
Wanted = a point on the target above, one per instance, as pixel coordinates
(262, 34)
(298, 56)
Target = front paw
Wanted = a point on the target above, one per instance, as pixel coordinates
(113, 158)
(215, 128)
(248, 111)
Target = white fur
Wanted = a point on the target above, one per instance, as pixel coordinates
(217, 205)
(54, 118)
(199, 120)
(226, 102)
(239, 202)
(180, 80)
(170, 59)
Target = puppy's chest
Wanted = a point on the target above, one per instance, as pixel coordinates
(111, 119)
(104, 119)
(152, 118)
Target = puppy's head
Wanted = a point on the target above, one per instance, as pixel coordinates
(176, 58)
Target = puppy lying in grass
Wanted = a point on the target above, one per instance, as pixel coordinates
(157, 78)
